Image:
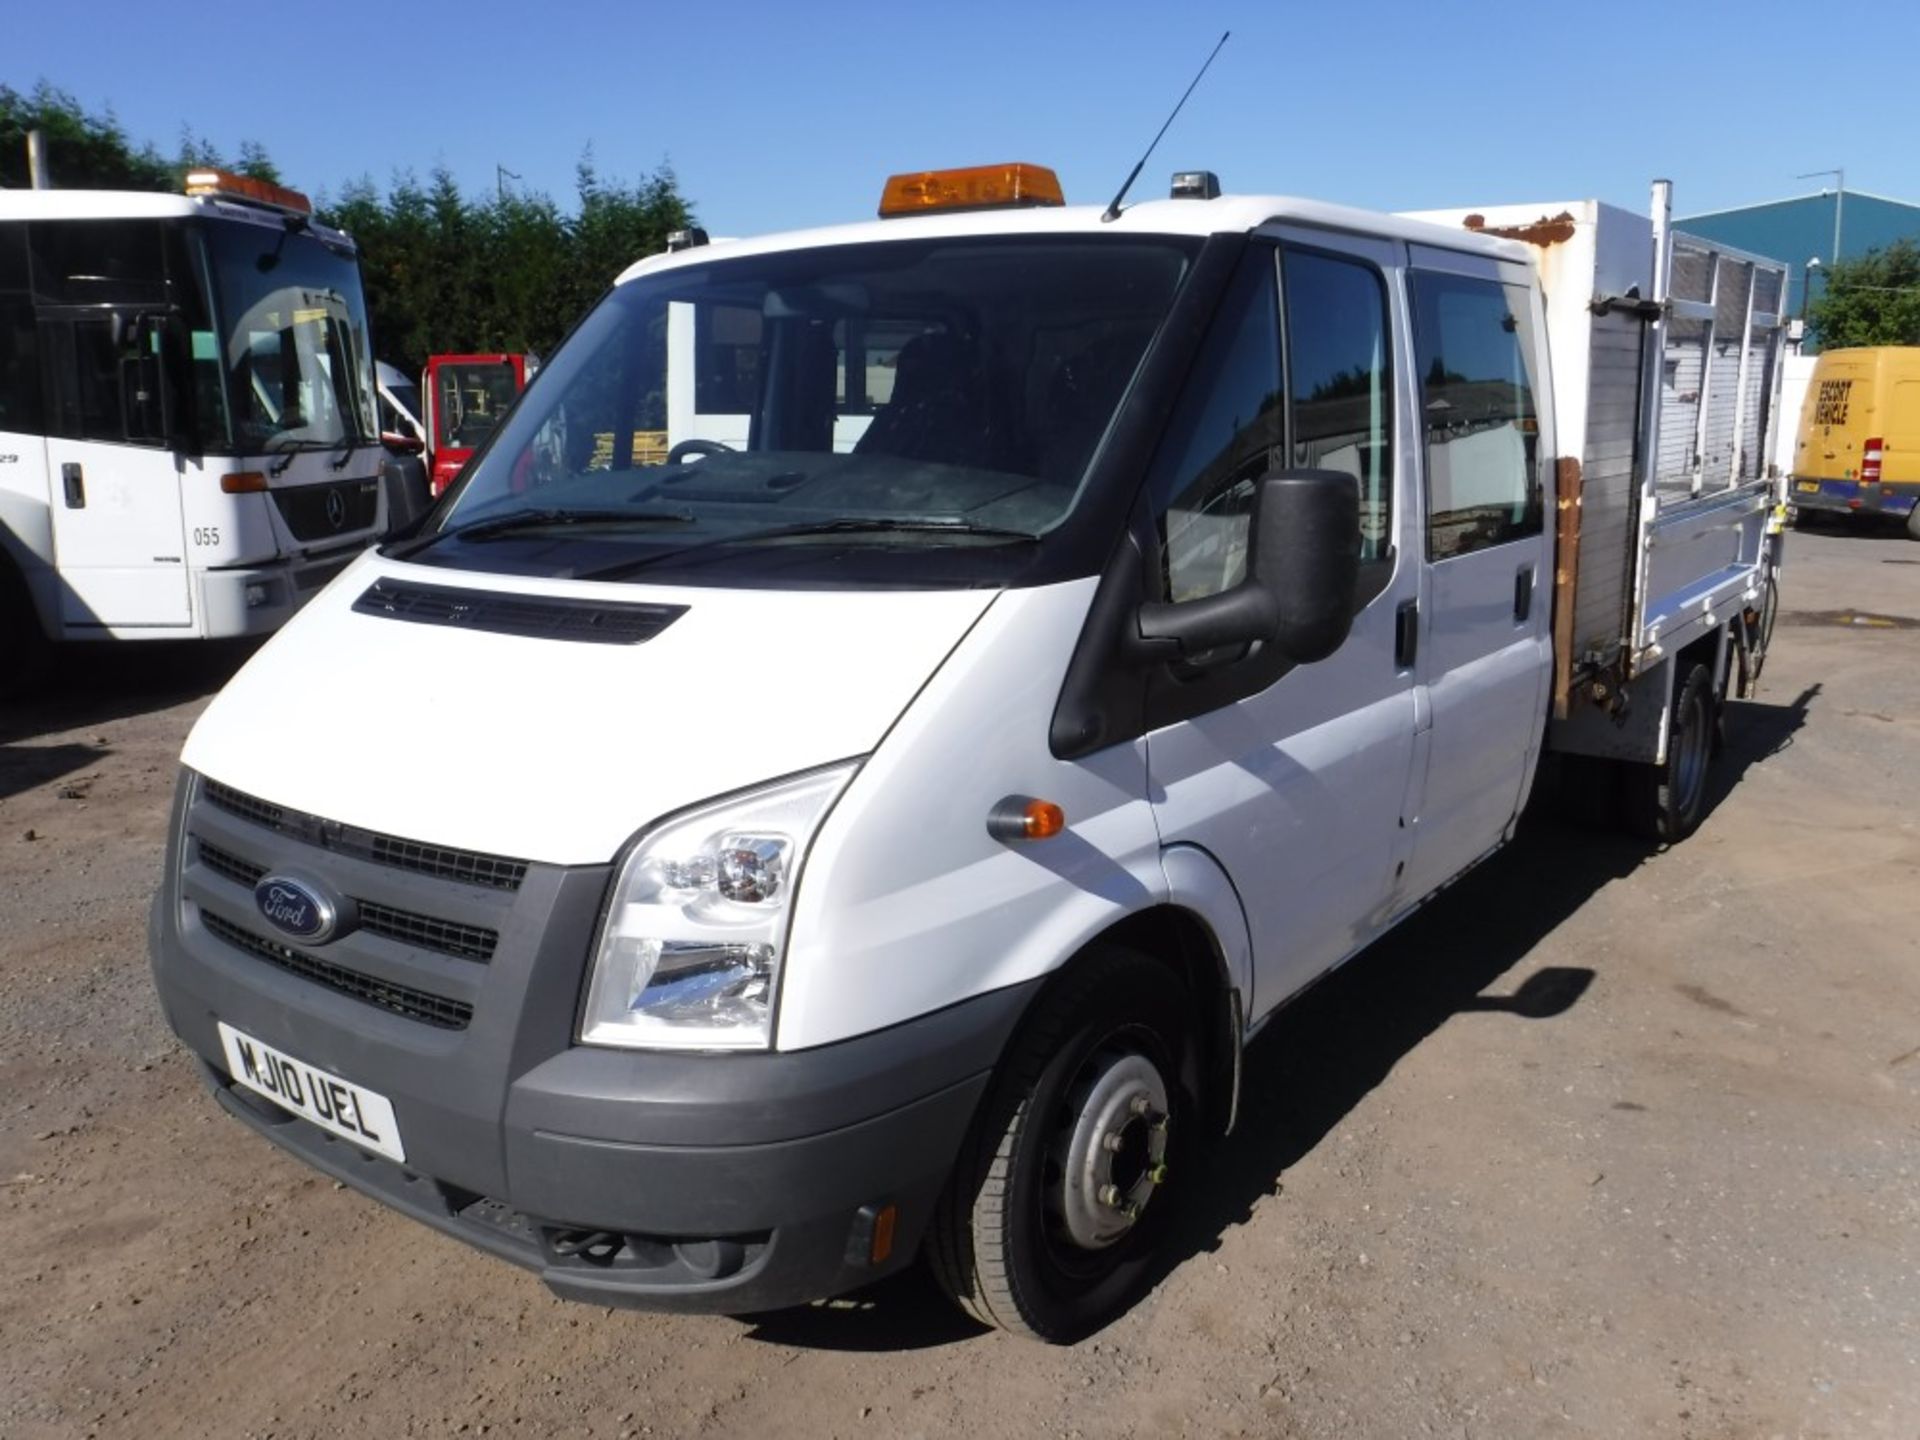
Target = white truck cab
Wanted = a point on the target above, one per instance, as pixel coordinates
(877, 826)
(188, 447)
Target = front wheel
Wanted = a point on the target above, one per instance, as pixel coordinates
(1670, 798)
(1060, 1200)
(1913, 522)
(26, 655)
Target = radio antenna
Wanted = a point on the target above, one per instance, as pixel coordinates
(1112, 211)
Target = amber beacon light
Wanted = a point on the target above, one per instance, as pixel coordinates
(225, 185)
(975, 187)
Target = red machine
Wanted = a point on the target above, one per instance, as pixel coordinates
(465, 396)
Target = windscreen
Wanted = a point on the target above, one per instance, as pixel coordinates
(945, 393)
(290, 337)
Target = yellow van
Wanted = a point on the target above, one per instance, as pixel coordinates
(1859, 445)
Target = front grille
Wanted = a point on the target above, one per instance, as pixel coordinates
(232, 867)
(321, 512)
(467, 866)
(245, 806)
(403, 1000)
(545, 617)
(449, 937)
(470, 867)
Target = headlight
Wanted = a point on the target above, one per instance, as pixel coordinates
(689, 954)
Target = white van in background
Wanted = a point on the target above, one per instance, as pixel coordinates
(187, 442)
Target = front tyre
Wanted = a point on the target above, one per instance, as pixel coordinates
(1059, 1201)
(26, 655)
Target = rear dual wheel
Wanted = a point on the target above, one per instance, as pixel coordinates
(1670, 798)
(1059, 1202)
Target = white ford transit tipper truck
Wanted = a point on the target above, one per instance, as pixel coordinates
(882, 832)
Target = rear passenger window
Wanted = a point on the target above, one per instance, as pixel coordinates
(1474, 347)
(1341, 383)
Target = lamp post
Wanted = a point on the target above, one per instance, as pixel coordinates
(1806, 284)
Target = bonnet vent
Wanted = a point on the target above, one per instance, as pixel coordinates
(543, 617)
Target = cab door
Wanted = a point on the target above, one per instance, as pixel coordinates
(118, 530)
(1292, 777)
(1484, 648)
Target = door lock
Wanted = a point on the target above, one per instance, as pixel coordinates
(75, 481)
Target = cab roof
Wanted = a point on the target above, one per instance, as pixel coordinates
(1229, 214)
(145, 205)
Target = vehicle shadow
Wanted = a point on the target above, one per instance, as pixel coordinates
(1327, 1050)
(93, 684)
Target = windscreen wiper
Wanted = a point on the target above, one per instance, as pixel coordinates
(287, 449)
(540, 520)
(844, 525)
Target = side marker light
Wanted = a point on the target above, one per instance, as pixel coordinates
(1021, 817)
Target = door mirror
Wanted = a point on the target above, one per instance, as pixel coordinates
(1304, 576)
(1307, 553)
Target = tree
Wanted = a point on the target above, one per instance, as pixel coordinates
(92, 152)
(1874, 300)
(508, 272)
(83, 151)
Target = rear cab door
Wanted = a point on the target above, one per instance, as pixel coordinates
(1485, 651)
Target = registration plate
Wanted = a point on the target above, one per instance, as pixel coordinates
(350, 1111)
(1810, 487)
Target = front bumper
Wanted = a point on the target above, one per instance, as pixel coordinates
(259, 599)
(703, 1182)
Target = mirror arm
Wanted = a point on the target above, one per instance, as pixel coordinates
(1239, 616)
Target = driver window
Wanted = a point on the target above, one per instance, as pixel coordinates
(1225, 434)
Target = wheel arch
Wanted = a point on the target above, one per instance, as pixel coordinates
(1208, 950)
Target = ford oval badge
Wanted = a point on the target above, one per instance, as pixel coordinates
(296, 908)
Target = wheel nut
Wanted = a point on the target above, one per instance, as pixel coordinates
(1112, 1141)
(1110, 1196)
(1158, 1174)
(1140, 1105)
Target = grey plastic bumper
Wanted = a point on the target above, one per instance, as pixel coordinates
(721, 1182)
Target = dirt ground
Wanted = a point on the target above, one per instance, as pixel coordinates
(1602, 1144)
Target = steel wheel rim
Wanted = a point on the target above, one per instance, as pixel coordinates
(1690, 765)
(1106, 1156)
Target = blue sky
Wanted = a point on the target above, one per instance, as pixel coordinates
(779, 115)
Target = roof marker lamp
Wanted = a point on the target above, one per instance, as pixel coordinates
(689, 953)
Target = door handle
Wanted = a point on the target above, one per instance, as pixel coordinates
(1523, 595)
(1406, 634)
(75, 481)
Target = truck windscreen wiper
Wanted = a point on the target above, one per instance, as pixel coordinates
(542, 519)
(843, 525)
(345, 450)
(288, 447)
